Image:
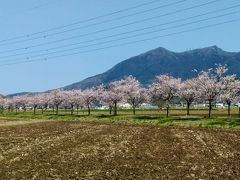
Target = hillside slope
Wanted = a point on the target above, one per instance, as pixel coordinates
(162, 61)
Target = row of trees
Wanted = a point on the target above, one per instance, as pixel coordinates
(210, 86)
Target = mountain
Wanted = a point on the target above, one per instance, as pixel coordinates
(159, 61)
(22, 94)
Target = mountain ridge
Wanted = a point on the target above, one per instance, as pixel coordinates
(163, 61)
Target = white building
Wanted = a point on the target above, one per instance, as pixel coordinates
(220, 105)
(147, 106)
(237, 104)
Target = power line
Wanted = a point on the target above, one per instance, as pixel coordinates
(133, 42)
(95, 24)
(145, 33)
(81, 21)
(115, 27)
(123, 44)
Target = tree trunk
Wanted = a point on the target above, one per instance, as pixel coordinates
(167, 111)
(42, 110)
(133, 102)
(188, 108)
(229, 109)
(56, 109)
(239, 110)
(45, 108)
(110, 110)
(34, 110)
(89, 111)
(72, 109)
(77, 108)
(115, 109)
(134, 110)
(210, 109)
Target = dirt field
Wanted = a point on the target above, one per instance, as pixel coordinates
(74, 150)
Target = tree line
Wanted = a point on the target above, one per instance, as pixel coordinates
(208, 87)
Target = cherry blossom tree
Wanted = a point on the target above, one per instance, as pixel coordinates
(44, 101)
(209, 89)
(188, 92)
(9, 104)
(79, 102)
(89, 96)
(238, 101)
(20, 102)
(57, 98)
(65, 103)
(112, 94)
(33, 101)
(134, 94)
(219, 72)
(210, 84)
(72, 99)
(103, 96)
(2, 102)
(163, 90)
(230, 90)
(115, 93)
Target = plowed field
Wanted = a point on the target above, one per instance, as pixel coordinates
(76, 150)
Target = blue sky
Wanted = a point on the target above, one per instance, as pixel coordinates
(29, 16)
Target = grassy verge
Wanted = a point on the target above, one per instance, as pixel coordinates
(143, 118)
